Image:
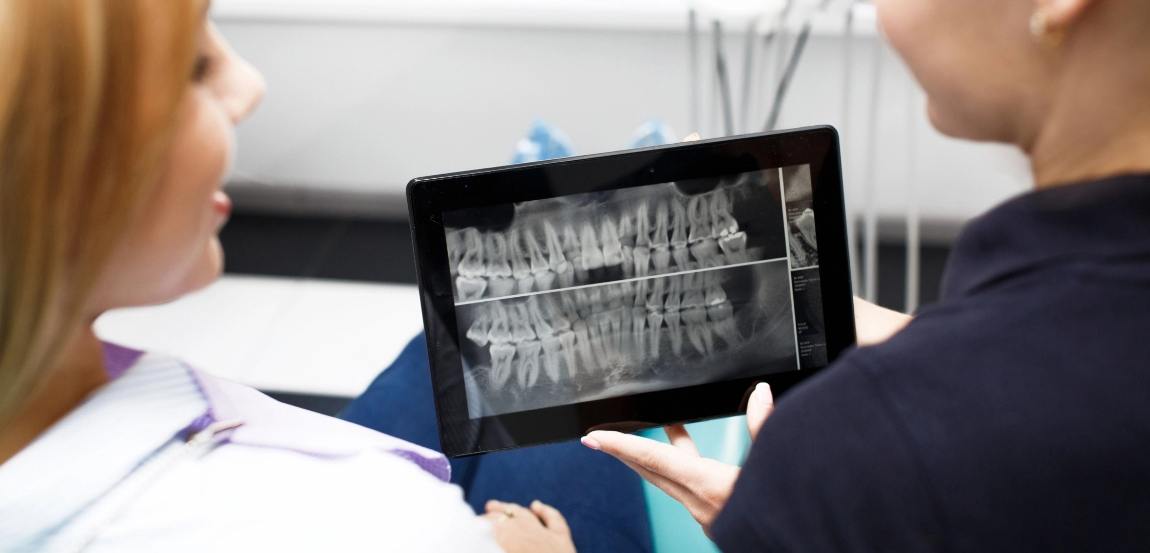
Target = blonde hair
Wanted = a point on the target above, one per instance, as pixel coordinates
(89, 92)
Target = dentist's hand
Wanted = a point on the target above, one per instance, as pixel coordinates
(702, 485)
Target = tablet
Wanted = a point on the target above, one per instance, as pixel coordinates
(630, 289)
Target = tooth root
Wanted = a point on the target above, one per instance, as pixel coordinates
(696, 340)
(682, 257)
(502, 356)
(639, 333)
(567, 341)
(470, 288)
(655, 331)
(612, 246)
(455, 249)
(584, 347)
(806, 225)
(639, 296)
(552, 357)
(538, 260)
(642, 227)
(521, 330)
(570, 305)
(606, 341)
(674, 291)
(699, 214)
(624, 338)
(500, 331)
(678, 224)
(472, 264)
(556, 260)
(734, 246)
(722, 222)
(527, 366)
(626, 229)
(628, 262)
(571, 247)
(722, 318)
(598, 345)
(674, 331)
(479, 329)
(500, 281)
(553, 314)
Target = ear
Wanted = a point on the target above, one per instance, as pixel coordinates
(1063, 14)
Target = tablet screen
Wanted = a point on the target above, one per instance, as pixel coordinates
(583, 297)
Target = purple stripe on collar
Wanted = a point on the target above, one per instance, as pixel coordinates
(118, 359)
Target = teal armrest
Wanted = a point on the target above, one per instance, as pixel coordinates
(672, 528)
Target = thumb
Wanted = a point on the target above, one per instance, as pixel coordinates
(759, 407)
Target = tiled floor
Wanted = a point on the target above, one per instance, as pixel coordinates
(314, 308)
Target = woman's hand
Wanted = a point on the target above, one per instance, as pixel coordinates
(702, 485)
(540, 529)
(875, 324)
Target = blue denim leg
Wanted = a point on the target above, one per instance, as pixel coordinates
(601, 498)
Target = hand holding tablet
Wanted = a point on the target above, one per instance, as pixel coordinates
(630, 289)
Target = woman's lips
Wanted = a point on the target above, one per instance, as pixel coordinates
(222, 205)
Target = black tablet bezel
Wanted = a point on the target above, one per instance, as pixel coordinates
(430, 197)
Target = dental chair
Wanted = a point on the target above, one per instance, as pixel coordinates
(673, 530)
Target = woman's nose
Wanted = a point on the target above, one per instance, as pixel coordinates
(249, 90)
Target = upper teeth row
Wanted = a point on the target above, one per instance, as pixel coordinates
(678, 235)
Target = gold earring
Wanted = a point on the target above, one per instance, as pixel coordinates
(1043, 32)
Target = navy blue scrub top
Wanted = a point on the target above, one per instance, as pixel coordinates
(1012, 416)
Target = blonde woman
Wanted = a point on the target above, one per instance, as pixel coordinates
(1015, 414)
(116, 130)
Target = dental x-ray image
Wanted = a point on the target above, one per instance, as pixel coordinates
(622, 338)
(802, 241)
(594, 238)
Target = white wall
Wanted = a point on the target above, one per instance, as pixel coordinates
(365, 96)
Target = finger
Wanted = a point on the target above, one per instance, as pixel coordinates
(679, 437)
(695, 504)
(509, 510)
(759, 407)
(664, 459)
(551, 517)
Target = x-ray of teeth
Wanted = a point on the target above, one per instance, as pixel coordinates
(602, 237)
(802, 242)
(621, 338)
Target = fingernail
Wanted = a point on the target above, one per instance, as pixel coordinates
(590, 442)
(536, 504)
(763, 391)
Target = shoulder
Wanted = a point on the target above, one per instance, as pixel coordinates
(250, 498)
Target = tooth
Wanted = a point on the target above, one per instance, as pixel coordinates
(701, 338)
(501, 283)
(478, 332)
(455, 249)
(470, 288)
(655, 331)
(624, 338)
(584, 347)
(598, 347)
(544, 280)
(671, 315)
(806, 225)
(612, 246)
(501, 357)
(640, 293)
(538, 320)
(655, 300)
(472, 264)
(527, 367)
(615, 322)
(706, 252)
(694, 315)
(520, 265)
(699, 215)
(590, 255)
(642, 226)
(642, 260)
(639, 333)
(573, 252)
(535, 252)
(605, 339)
(626, 229)
(553, 314)
(721, 220)
(500, 331)
(521, 325)
(628, 261)
(660, 251)
(552, 352)
(679, 235)
(558, 262)
(722, 317)
(567, 341)
(735, 247)
(570, 305)
(583, 302)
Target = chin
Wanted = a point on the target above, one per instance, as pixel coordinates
(208, 270)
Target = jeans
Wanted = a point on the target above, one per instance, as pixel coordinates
(601, 498)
